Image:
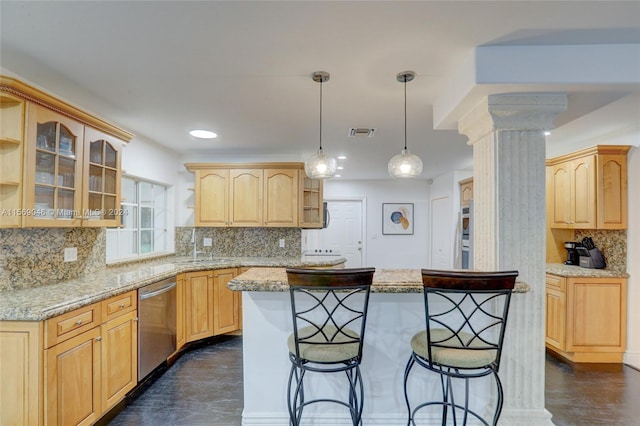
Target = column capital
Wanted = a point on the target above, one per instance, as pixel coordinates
(512, 111)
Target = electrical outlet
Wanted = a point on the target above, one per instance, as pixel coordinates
(281, 242)
(70, 254)
(207, 242)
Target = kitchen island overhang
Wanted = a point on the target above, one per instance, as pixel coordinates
(396, 313)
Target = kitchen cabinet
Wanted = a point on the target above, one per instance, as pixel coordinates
(180, 312)
(466, 191)
(226, 302)
(61, 167)
(586, 318)
(70, 369)
(11, 146)
(588, 189)
(210, 307)
(255, 195)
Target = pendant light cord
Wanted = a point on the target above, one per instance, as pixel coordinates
(405, 112)
(321, 115)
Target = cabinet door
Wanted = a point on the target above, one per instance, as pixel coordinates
(226, 302)
(53, 169)
(72, 374)
(612, 191)
(466, 192)
(246, 197)
(596, 312)
(560, 189)
(281, 197)
(583, 180)
(556, 311)
(101, 179)
(212, 197)
(11, 161)
(199, 305)
(21, 373)
(119, 358)
(180, 312)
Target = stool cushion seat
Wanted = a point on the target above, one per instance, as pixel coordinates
(457, 356)
(325, 347)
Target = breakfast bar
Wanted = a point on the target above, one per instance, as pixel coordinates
(396, 312)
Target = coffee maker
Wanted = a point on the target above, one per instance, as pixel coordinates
(573, 258)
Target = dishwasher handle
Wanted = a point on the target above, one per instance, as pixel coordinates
(157, 292)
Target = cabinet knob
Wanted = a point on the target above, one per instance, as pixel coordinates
(99, 339)
(121, 305)
(78, 322)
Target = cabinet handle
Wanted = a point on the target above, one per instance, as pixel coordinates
(99, 339)
(78, 322)
(121, 305)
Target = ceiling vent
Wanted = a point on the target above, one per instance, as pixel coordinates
(359, 132)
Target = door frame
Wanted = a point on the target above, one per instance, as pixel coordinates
(363, 215)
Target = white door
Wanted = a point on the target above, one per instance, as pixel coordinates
(344, 233)
(442, 235)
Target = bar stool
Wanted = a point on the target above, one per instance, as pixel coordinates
(466, 314)
(329, 311)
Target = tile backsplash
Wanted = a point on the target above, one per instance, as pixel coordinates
(32, 256)
(245, 242)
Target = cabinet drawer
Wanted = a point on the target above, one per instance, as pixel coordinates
(118, 305)
(66, 326)
(557, 283)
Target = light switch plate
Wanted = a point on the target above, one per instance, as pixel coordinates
(207, 242)
(70, 254)
(282, 242)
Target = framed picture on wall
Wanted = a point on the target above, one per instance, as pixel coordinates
(397, 218)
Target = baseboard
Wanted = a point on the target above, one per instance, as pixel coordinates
(524, 417)
(632, 359)
(273, 419)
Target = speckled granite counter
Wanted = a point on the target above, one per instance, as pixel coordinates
(576, 271)
(49, 300)
(384, 281)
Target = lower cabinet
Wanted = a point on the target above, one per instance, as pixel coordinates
(210, 307)
(586, 318)
(70, 369)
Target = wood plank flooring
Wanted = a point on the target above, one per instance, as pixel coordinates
(204, 387)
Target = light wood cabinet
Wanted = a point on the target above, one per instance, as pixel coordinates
(198, 305)
(588, 189)
(226, 302)
(210, 307)
(181, 337)
(60, 167)
(586, 318)
(11, 146)
(466, 191)
(255, 195)
(72, 368)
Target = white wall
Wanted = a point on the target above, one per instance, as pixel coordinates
(389, 251)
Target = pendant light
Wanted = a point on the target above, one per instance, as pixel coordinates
(405, 164)
(320, 166)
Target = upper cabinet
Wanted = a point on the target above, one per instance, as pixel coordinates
(588, 189)
(466, 191)
(255, 195)
(61, 167)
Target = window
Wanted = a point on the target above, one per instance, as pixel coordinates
(144, 221)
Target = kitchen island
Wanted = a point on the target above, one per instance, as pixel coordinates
(396, 312)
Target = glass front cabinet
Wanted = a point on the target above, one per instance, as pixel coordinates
(72, 172)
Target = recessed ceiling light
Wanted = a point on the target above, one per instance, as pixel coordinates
(203, 134)
(547, 133)
(337, 176)
(340, 168)
(342, 157)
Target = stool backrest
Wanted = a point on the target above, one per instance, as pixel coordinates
(331, 305)
(467, 310)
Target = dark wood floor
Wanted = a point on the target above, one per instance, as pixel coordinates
(204, 387)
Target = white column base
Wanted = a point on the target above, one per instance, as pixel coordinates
(523, 417)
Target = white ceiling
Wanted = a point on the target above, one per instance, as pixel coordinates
(243, 69)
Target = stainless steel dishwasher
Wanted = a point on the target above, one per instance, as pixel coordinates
(157, 325)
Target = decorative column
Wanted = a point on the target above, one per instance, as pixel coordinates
(507, 134)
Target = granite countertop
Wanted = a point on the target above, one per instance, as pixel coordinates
(384, 281)
(46, 301)
(576, 271)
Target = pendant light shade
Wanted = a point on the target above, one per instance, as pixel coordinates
(405, 164)
(320, 166)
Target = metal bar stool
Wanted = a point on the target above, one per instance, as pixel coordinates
(466, 314)
(329, 311)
